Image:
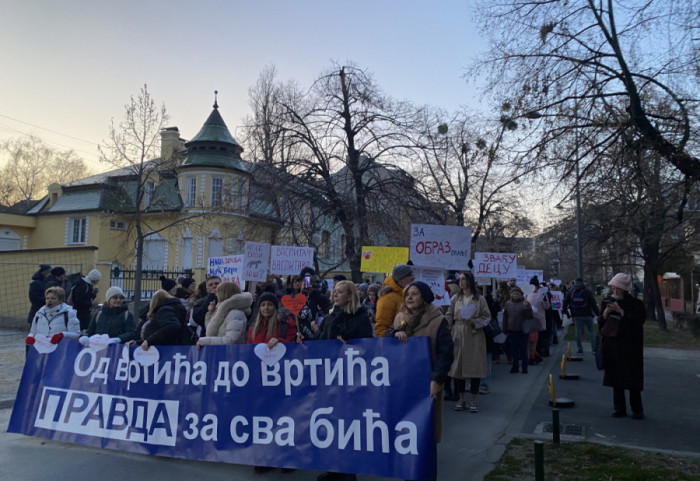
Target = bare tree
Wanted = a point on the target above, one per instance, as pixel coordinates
(30, 166)
(343, 137)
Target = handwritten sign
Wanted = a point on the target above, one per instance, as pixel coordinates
(255, 260)
(228, 268)
(290, 260)
(495, 265)
(436, 281)
(524, 275)
(382, 259)
(440, 246)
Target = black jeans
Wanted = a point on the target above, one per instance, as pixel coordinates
(620, 404)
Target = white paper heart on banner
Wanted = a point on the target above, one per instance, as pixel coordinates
(125, 352)
(270, 356)
(43, 344)
(468, 311)
(146, 358)
(98, 342)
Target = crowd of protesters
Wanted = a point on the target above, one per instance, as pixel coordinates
(463, 335)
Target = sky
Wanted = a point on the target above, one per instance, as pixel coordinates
(69, 67)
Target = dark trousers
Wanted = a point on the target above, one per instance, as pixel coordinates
(461, 385)
(620, 405)
(518, 348)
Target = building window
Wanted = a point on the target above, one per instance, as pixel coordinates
(240, 244)
(190, 191)
(77, 230)
(117, 225)
(323, 249)
(217, 184)
(148, 189)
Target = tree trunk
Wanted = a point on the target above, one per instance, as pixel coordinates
(652, 293)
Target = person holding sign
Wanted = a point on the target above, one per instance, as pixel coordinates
(389, 303)
(467, 315)
(419, 317)
(226, 321)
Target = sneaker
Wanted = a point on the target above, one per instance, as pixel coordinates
(473, 408)
(483, 390)
(461, 406)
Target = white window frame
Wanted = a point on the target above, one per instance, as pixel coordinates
(217, 192)
(149, 189)
(190, 191)
(76, 231)
(118, 225)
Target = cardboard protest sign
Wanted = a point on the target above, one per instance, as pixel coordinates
(436, 281)
(382, 259)
(290, 260)
(499, 266)
(440, 246)
(228, 268)
(255, 259)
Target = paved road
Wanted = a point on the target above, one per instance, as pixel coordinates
(472, 443)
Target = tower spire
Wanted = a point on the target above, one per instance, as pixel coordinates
(216, 104)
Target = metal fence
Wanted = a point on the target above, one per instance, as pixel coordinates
(150, 281)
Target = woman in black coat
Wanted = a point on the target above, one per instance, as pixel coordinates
(348, 319)
(621, 325)
(166, 321)
(37, 289)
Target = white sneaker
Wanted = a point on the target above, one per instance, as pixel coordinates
(473, 408)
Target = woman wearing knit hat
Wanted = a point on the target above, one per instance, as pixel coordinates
(419, 317)
(168, 285)
(271, 326)
(114, 319)
(621, 325)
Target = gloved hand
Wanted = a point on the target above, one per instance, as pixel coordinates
(56, 338)
(114, 340)
(84, 340)
(29, 340)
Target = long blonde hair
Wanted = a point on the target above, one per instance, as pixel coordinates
(226, 290)
(272, 322)
(158, 298)
(354, 304)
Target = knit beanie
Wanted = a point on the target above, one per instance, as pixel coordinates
(186, 282)
(270, 297)
(425, 291)
(94, 275)
(401, 271)
(44, 268)
(166, 283)
(373, 288)
(621, 280)
(113, 291)
(363, 287)
(58, 271)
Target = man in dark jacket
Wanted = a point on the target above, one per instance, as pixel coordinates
(84, 293)
(57, 278)
(580, 304)
(202, 307)
(37, 288)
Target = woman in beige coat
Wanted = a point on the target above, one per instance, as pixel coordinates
(226, 322)
(467, 315)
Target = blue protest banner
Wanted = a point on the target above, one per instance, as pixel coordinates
(362, 407)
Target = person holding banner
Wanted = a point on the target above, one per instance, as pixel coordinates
(226, 321)
(55, 319)
(166, 321)
(114, 319)
(419, 317)
(271, 326)
(467, 315)
(348, 319)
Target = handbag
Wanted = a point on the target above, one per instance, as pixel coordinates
(599, 353)
(492, 329)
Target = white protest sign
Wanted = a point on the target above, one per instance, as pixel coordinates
(441, 246)
(436, 281)
(523, 278)
(227, 268)
(495, 265)
(290, 260)
(255, 260)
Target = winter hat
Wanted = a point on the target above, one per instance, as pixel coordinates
(578, 282)
(401, 271)
(307, 271)
(270, 297)
(93, 276)
(373, 288)
(186, 282)
(621, 280)
(516, 289)
(535, 281)
(58, 271)
(113, 291)
(424, 289)
(166, 283)
(44, 267)
(363, 287)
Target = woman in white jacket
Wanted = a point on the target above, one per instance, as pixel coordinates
(226, 322)
(56, 319)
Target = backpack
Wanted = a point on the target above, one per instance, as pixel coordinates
(579, 299)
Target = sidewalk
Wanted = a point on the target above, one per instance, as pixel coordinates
(472, 443)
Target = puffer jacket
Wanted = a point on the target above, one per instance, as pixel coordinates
(228, 323)
(115, 322)
(60, 318)
(167, 325)
(388, 305)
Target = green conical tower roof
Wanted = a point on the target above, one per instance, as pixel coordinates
(214, 146)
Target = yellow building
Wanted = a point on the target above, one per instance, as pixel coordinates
(198, 200)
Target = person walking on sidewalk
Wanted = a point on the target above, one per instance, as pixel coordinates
(580, 306)
(515, 311)
(622, 328)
